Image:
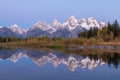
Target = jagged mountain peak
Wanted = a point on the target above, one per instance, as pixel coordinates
(37, 26)
(91, 22)
(71, 18)
(91, 18)
(71, 23)
(56, 25)
(55, 22)
(17, 30)
(14, 26)
(40, 23)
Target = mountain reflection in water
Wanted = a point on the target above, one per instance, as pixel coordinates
(72, 61)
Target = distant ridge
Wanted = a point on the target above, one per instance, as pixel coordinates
(71, 28)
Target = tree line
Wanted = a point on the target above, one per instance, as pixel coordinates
(107, 33)
(9, 39)
(13, 39)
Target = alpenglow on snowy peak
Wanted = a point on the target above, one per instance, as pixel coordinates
(71, 28)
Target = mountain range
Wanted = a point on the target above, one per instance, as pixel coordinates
(69, 29)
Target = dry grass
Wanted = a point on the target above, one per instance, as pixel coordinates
(60, 43)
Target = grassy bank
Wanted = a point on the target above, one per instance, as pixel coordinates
(58, 43)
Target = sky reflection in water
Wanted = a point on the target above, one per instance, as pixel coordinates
(36, 65)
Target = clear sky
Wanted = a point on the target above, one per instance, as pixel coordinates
(27, 12)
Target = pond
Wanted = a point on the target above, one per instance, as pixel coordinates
(21, 64)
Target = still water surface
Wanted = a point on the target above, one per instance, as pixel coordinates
(20, 64)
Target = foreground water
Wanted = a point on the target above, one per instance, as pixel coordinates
(20, 64)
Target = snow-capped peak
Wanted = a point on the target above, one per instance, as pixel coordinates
(56, 25)
(72, 19)
(91, 19)
(16, 29)
(55, 22)
(14, 26)
(39, 24)
(71, 23)
(90, 22)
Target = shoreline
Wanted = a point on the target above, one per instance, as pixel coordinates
(76, 47)
(100, 47)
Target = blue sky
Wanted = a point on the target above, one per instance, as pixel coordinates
(27, 12)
